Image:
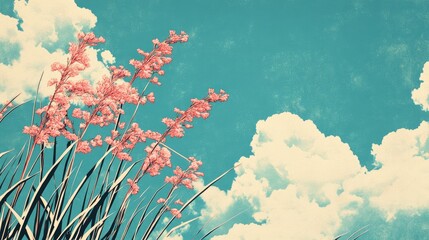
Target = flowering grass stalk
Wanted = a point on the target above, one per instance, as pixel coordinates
(66, 198)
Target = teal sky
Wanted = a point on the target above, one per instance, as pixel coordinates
(349, 66)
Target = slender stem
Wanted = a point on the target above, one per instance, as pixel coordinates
(180, 155)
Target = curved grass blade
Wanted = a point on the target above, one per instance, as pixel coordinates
(193, 198)
(35, 99)
(358, 233)
(141, 221)
(81, 214)
(136, 211)
(41, 187)
(6, 105)
(202, 227)
(220, 225)
(4, 196)
(98, 224)
(341, 235)
(6, 152)
(159, 214)
(6, 166)
(11, 110)
(21, 222)
(114, 185)
(76, 191)
(6, 220)
(181, 225)
(361, 234)
(143, 217)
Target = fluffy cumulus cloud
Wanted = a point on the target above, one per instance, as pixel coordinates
(107, 57)
(421, 94)
(400, 183)
(294, 181)
(37, 37)
(301, 184)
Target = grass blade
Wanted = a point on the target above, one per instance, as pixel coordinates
(194, 197)
(99, 223)
(41, 187)
(6, 152)
(4, 196)
(21, 222)
(358, 233)
(76, 191)
(180, 226)
(220, 225)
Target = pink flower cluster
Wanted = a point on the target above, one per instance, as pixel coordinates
(134, 188)
(187, 177)
(176, 213)
(129, 139)
(103, 102)
(154, 61)
(199, 109)
(55, 121)
(83, 147)
(173, 211)
(157, 158)
(212, 96)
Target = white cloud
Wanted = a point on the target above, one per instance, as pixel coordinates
(174, 237)
(9, 29)
(302, 184)
(222, 200)
(293, 181)
(46, 28)
(420, 95)
(107, 57)
(400, 184)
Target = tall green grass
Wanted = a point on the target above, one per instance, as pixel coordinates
(48, 190)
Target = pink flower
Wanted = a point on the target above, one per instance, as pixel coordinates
(154, 61)
(150, 97)
(214, 97)
(161, 200)
(187, 183)
(56, 66)
(83, 147)
(121, 125)
(118, 73)
(90, 39)
(157, 158)
(70, 136)
(178, 202)
(55, 119)
(129, 140)
(154, 80)
(199, 109)
(176, 213)
(96, 142)
(134, 188)
(77, 113)
(182, 37)
(155, 41)
(124, 156)
(52, 81)
(186, 177)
